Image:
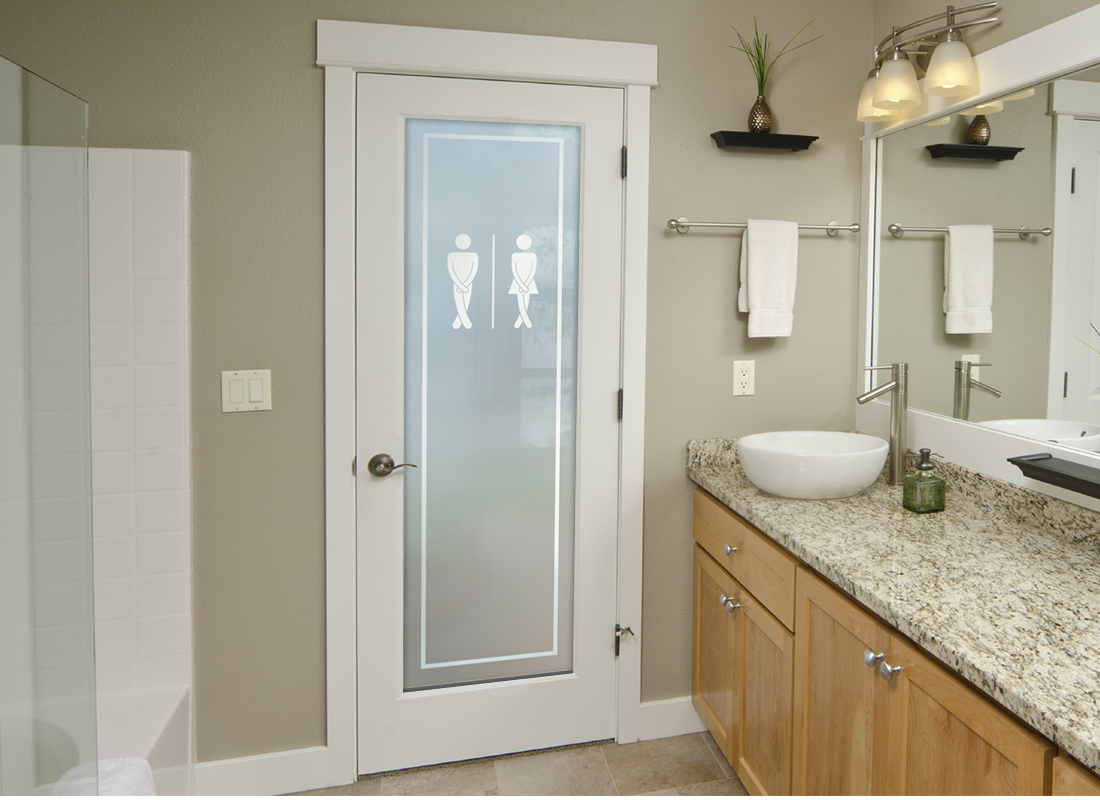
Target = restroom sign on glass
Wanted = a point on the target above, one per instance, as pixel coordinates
(491, 271)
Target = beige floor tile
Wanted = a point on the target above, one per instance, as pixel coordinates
(727, 770)
(578, 771)
(362, 788)
(475, 778)
(661, 764)
(731, 786)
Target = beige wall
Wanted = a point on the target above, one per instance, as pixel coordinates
(233, 82)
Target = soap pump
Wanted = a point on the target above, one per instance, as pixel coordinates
(924, 490)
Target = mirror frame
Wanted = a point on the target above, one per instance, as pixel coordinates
(1050, 52)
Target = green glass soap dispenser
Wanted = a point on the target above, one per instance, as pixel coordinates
(924, 490)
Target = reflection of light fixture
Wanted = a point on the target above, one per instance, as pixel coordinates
(951, 71)
(988, 107)
(896, 87)
(1020, 95)
(937, 122)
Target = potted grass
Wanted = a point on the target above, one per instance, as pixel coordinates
(760, 57)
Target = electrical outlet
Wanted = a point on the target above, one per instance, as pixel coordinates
(975, 372)
(744, 378)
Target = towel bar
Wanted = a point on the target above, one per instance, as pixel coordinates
(1024, 233)
(682, 225)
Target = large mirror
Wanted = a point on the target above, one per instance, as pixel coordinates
(1048, 381)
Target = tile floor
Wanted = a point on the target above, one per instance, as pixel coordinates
(682, 765)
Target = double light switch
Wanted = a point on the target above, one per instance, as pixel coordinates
(246, 390)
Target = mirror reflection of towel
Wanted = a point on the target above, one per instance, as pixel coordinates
(968, 279)
(768, 270)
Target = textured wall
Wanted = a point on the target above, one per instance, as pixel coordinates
(233, 82)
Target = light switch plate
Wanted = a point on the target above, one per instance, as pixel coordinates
(246, 390)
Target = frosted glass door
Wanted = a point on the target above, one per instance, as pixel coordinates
(490, 399)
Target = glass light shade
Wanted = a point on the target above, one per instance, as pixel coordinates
(937, 122)
(1020, 95)
(896, 87)
(866, 111)
(951, 72)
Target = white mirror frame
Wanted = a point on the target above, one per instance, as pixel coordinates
(1060, 48)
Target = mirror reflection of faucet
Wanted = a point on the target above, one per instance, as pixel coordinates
(964, 381)
(898, 386)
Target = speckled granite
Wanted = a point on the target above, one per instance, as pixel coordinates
(1003, 587)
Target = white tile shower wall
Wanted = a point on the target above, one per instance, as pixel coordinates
(141, 430)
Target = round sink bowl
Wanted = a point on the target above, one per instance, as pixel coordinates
(812, 465)
(1082, 435)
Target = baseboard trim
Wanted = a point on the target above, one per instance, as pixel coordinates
(663, 718)
(267, 774)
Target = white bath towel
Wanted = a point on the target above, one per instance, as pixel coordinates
(968, 279)
(130, 777)
(769, 268)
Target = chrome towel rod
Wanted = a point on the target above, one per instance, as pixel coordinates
(1024, 232)
(833, 228)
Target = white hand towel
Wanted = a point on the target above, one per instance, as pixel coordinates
(968, 279)
(768, 270)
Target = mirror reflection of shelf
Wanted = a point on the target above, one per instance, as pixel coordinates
(984, 151)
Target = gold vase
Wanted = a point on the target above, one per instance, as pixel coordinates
(760, 116)
(978, 132)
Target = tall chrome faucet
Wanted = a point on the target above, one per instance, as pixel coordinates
(964, 380)
(899, 414)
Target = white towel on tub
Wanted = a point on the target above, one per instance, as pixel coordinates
(768, 271)
(968, 279)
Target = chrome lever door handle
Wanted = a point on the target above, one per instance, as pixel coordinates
(382, 465)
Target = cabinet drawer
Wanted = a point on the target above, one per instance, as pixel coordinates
(1070, 778)
(764, 568)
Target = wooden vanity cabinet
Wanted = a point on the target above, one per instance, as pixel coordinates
(1070, 778)
(923, 731)
(715, 666)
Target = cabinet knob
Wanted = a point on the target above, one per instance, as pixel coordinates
(730, 550)
(870, 657)
(732, 606)
(887, 672)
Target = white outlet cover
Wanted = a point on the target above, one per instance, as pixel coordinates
(246, 390)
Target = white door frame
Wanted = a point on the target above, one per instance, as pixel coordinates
(343, 49)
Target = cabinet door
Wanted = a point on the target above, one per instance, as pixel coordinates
(948, 739)
(715, 668)
(837, 698)
(1070, 778)
(767, 677)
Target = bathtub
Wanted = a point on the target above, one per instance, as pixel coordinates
(154, 724)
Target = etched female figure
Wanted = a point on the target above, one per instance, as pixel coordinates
(523, 278)
(463, 267)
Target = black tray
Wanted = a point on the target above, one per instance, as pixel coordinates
(1059, 472)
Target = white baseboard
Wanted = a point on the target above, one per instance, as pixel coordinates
(268, 774)
(663, 718)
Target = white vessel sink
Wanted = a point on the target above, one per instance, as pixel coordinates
(812, 465)
(1082, 435)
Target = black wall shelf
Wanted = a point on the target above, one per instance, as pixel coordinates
(774, 141)
(1059, 472)
(985, 151)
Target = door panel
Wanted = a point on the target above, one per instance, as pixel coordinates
(716, 667)
(489, 218)
(764, 759)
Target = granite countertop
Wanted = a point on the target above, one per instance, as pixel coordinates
(1003, 586)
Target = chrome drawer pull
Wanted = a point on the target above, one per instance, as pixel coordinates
(870, 658)
(730, 550)
(887, 672)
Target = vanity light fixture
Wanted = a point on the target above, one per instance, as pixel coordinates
(951, 71)
(867, 112)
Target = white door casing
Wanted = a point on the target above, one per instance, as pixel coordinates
(398, 727)
(345, 48)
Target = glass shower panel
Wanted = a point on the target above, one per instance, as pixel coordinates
(492, 215)
(47, 673)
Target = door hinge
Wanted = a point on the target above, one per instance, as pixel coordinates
(619, 632)
(624, 162)
(1065, 385)
(1073, 181)
(620, 405)
(353, 465)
